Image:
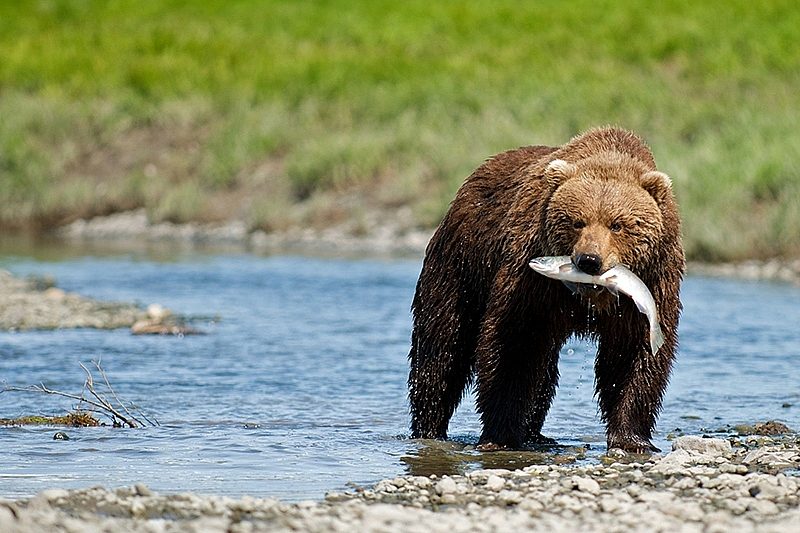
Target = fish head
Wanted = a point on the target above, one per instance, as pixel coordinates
(549, 264)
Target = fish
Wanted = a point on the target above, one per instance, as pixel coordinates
(617, 279)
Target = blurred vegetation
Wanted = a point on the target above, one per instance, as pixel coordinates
(280, 112)
(76, 419)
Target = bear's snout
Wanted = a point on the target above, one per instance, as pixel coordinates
(588, 263)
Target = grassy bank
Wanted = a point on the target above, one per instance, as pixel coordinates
(284, 112)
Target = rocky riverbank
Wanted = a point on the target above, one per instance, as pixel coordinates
(375, 233)
(702, 485)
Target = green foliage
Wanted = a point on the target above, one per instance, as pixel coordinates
(184, 107)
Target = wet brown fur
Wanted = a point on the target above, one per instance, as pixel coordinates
(480, 313)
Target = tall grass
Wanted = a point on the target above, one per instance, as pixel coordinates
(271, 111)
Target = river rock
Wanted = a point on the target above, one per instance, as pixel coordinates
(703, 446)
(585, 484)
(770, 456)
(495, 483)
(673, 463)
(446, 486)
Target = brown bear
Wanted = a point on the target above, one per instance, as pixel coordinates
(482, 315)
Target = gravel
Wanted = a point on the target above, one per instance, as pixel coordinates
(702, 485)
(35, 303)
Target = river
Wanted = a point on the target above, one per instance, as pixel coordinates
(298, 386)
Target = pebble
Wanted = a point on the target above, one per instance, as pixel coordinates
(446, 486)
(585, 484)
(495, 483)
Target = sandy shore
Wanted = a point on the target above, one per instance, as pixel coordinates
(702, 485)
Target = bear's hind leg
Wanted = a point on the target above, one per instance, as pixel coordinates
(436, 385)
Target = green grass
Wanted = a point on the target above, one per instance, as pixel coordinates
(270, 111)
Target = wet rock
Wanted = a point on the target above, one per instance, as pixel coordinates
(772, 427)
(378, 231)
(162, 322)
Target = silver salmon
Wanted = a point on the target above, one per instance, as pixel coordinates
(617, 279)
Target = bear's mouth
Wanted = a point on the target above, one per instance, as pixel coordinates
(590, 290)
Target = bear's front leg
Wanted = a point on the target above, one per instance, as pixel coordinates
(630, 384)
(517, 375)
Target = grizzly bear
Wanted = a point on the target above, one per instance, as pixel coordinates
(482, 316)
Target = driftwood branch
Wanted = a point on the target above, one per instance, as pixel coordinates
(114, 394)
(119, 412)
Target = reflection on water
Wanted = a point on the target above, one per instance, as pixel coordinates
(300, 387)
(453, 457)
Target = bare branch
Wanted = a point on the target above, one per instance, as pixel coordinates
(114, 394)
(43, 389)
(97, 401)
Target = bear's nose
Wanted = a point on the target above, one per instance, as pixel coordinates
(589, 263)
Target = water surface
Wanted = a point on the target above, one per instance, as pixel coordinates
(298, 387)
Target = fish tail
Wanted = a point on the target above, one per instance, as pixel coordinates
(656, 339)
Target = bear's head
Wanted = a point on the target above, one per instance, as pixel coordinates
(605, 210)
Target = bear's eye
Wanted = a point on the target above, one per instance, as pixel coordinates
(578, 224)
(616, 227)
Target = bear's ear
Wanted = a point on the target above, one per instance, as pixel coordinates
(558, 171)
(658, 184)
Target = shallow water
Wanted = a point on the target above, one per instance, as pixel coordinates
(298, 387)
